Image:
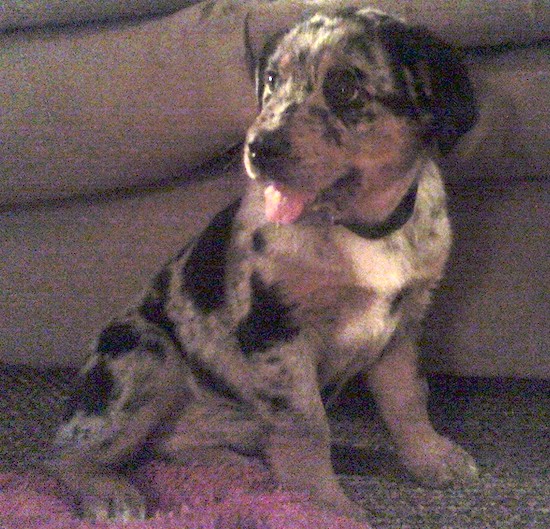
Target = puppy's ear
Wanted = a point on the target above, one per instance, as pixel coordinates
(437, 78)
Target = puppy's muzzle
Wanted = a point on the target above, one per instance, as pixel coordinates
(266, 151)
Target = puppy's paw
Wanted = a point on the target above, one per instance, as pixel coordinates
(439, 463)
(112, 501)
(346, 508)
(333, 499)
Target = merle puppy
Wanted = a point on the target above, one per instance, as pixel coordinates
(323, 271)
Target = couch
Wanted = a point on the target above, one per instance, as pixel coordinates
(113, 124)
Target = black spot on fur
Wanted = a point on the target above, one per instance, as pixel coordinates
(155, 346)
(268, 322)
(138, 402)
(303, 57)
(316, 24)
(161, 283)
(363, 44)
(398, 299)
(272, 360)
(276, 403)
(205, 377)
(117, 339)
(153, 308)
(328, 392)
(204, 272)
(206, 10)
(330, 132)
(346, 186)
(93, 393)
(258, 242)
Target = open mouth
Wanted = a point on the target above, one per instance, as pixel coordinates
(286, 205)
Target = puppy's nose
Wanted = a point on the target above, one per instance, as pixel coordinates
(266, 149)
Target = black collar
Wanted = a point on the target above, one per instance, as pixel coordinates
(401, 214)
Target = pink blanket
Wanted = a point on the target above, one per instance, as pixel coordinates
(186, 497)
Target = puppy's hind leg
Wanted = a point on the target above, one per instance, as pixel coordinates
(127, 389)
(99, 493)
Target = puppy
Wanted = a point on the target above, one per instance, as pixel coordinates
(320, 273)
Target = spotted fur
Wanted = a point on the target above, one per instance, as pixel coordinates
(236, 340)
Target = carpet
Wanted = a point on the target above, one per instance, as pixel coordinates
(503, 423)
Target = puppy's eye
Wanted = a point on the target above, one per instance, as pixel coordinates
(343, 89)
(271, 79)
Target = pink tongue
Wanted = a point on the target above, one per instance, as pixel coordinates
(283, 205)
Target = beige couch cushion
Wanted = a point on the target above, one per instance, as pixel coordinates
(491, 316)
(65, 272)
(478, 22)
(511, 140)
(93, 108)
(120, 106)
(36, 13)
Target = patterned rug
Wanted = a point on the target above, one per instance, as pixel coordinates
(505, 424)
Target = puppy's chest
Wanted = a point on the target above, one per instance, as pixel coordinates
(340, 286)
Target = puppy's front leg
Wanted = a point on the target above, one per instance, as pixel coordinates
(297, 447)
(402, 396)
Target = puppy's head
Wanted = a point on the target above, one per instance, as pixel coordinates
(351, 105)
